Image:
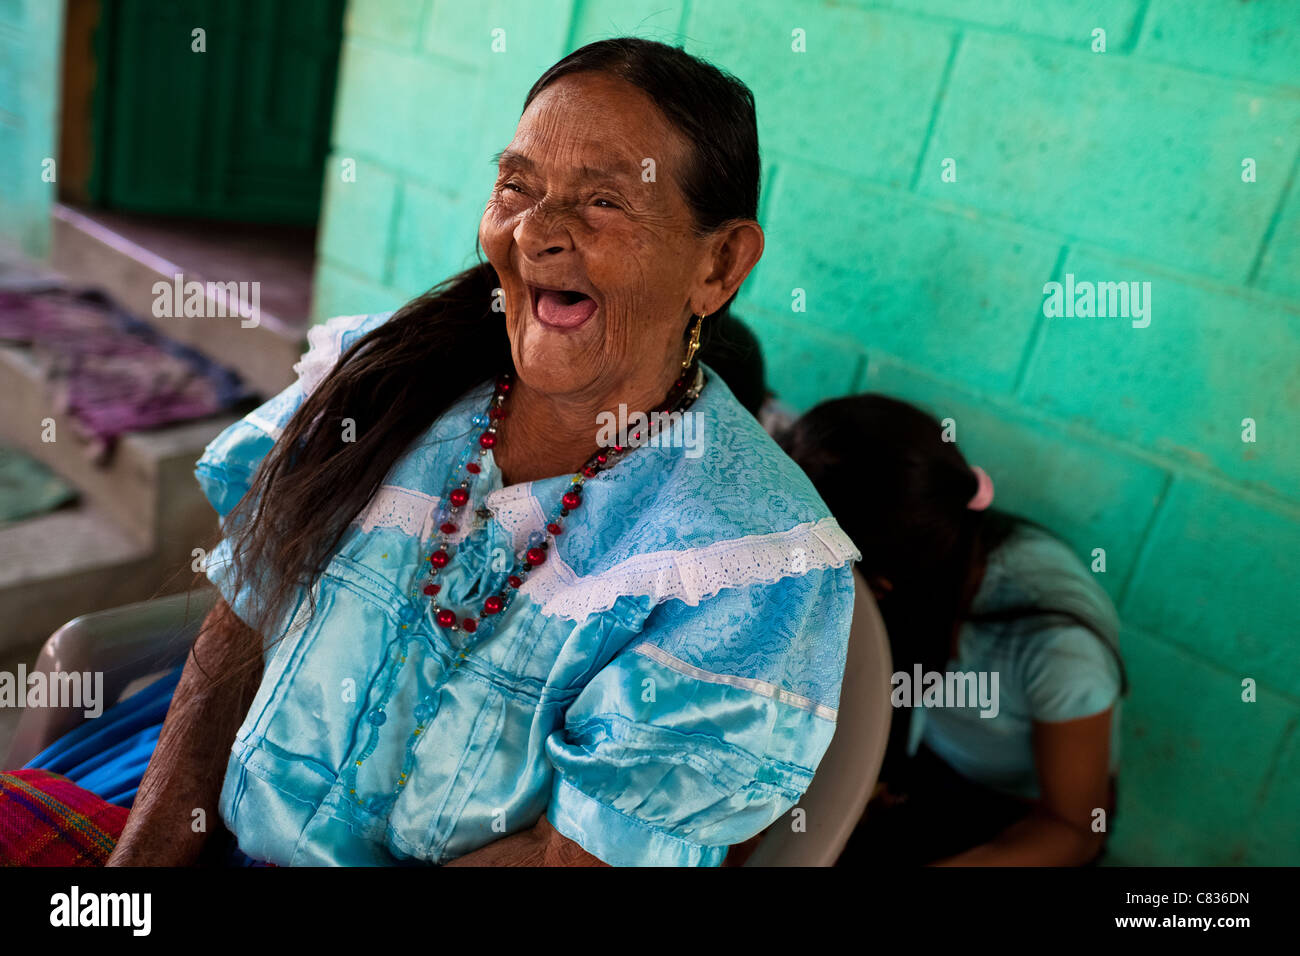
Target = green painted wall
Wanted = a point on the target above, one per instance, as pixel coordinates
(248, 118)
(1122, 165)
(31, 32)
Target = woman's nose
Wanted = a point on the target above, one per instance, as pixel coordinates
(542, 231)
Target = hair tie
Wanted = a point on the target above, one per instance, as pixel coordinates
(983, 496)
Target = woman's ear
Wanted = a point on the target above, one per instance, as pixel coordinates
(736, 248)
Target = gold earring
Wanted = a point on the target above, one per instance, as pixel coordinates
(694, 345)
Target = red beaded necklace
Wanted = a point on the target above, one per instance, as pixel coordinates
(680, 396)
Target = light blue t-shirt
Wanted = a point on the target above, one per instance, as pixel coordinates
(1048, 670)
(663, 686)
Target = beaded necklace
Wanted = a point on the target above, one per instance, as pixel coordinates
(449, 515)
(450, 508)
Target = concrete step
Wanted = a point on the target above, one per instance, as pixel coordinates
(147, 484)
(96, 250)
(68, 562)
(141, 513)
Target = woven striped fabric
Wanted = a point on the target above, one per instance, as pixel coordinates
(47, 820)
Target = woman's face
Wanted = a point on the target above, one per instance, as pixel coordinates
(592, 241)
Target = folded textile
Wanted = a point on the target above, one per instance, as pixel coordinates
(28, 488)
(47, 820)
(109, 371)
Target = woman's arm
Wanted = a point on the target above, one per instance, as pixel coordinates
(1073, 763)
(189, 763)
(543, 845)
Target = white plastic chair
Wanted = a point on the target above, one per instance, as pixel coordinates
(847, 775)
(138, 642)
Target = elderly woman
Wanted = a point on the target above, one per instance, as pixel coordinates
(466, 619)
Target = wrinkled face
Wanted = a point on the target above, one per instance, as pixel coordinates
(598, 265)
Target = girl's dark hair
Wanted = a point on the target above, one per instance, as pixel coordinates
(396, 380)
(729, 348)
(901, 492)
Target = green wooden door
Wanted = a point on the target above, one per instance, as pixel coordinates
(239, 131)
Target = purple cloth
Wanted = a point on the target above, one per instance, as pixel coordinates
(111, 372)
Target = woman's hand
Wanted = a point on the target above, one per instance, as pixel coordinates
(1072, 758)
(543, 845)
(188, 765)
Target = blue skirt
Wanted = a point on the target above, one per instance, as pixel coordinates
(108, 755)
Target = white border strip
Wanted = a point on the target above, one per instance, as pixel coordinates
(257, 421)
(763, 688)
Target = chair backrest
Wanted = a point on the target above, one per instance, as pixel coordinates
(123, 644)
(137, 640)
(846, 777)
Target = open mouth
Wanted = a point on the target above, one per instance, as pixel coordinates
(561, 308)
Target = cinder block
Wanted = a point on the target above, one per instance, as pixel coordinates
(1275, 831)
(859, 99)
(356, 215)
(506, 46)
(30, 51)
(653, 19)
(435, 237)
(397, 23)
(512, 42)
(1070, 22)
(1219, 577)
(12, 159)
(1211, 357)
(1257, 40)
(1279, 269)
(1137, 157)
(12, 63)
(339, 292)
(420, 115)
(1193, 760)
(882, 270)
(465, 31)
(803, 366)
(1089, 495)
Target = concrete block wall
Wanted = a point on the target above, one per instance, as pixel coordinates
(1122, 165)
(31, 33)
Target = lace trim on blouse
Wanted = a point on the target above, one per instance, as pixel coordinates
(408, 511)
(412, 512)
(689, 575)
(693, 574)
(324, 347)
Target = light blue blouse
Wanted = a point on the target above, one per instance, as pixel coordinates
(662, 687)
(1048, 670)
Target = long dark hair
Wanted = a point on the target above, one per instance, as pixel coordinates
(396, 380)
(900, 491)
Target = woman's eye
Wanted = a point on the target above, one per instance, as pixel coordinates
(605, 203)
(514, 187)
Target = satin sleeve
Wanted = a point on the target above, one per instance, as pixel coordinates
(708, 727)
(226, 469)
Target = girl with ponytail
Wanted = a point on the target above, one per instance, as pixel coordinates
(964, 588)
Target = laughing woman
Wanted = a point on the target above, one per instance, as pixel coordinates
(455, 629)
